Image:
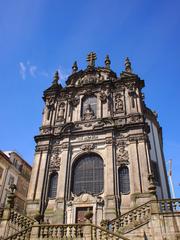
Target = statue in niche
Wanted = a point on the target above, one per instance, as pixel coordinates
(118, 103)
(89, 113)
(61, 112)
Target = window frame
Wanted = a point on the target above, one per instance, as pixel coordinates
(50, 193)
(121, 181)
(88, 176)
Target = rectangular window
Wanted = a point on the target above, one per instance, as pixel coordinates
(11, 180)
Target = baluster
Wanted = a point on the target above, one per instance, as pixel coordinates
(70, 231)
(42, 232)
(61, 232)
(46, 232)
(56, 232)
(94, 232)
(100, 234)
(163, 207)
(112, 226)
(51, 230)
(130, 218)
(126, 220)
(65, 231)
(117, 225)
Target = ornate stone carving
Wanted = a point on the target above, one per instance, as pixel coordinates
(103, 96)
(135, 118)
(87, 147)
(64, 145)
(122, 155)
(45, 130)
(83, 198)
(140, 137)
(88, 125)
(109, 140)
(130, 85)
(55, 160)
(89, 113)
(50, 101)
(74, 101)
(119, 104)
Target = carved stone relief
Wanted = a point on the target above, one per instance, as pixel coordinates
(103, 96)
(45, 130)
(74, 101)
(55, 160)
(135, 118)
(87, 147)
(122, 155)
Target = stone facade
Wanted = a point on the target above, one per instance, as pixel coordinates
(99, 113)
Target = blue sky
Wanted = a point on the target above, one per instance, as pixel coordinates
(39, 36)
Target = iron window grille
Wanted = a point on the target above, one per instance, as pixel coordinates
(88, 175)
(52, 191)
(124, 184)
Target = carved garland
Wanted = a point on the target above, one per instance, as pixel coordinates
(55, 160)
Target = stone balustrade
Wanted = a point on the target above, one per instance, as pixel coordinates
(131, 219)
(61, 231)
(18, 222)
(66, 231)
(169, 205)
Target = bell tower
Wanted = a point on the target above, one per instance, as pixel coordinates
(99, 147)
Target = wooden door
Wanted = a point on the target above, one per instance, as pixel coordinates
(80, 212)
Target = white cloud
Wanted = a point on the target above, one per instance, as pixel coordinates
(22, 70)
(33, 70)
(63, 74)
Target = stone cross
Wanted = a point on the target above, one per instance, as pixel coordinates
(91, 59)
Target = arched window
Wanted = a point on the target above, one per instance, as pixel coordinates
(88, 174)
(53, 180)
(124, 185)
(89, 107)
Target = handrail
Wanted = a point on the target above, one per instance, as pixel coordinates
(109, 232)
(160, 201)
(133, 209)
(16, 234)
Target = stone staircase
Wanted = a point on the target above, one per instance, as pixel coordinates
(21, 227)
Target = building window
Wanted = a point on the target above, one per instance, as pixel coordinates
(11, 180)
(155, 172)
(124, 185)
(89, 107)
(88, 175)
(53, 180)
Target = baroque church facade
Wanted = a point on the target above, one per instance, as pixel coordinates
(99, 148)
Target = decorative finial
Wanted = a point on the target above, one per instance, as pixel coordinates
(74, 67)
(56, 78)
(107, 62)
(128, 65)
(91, 59)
